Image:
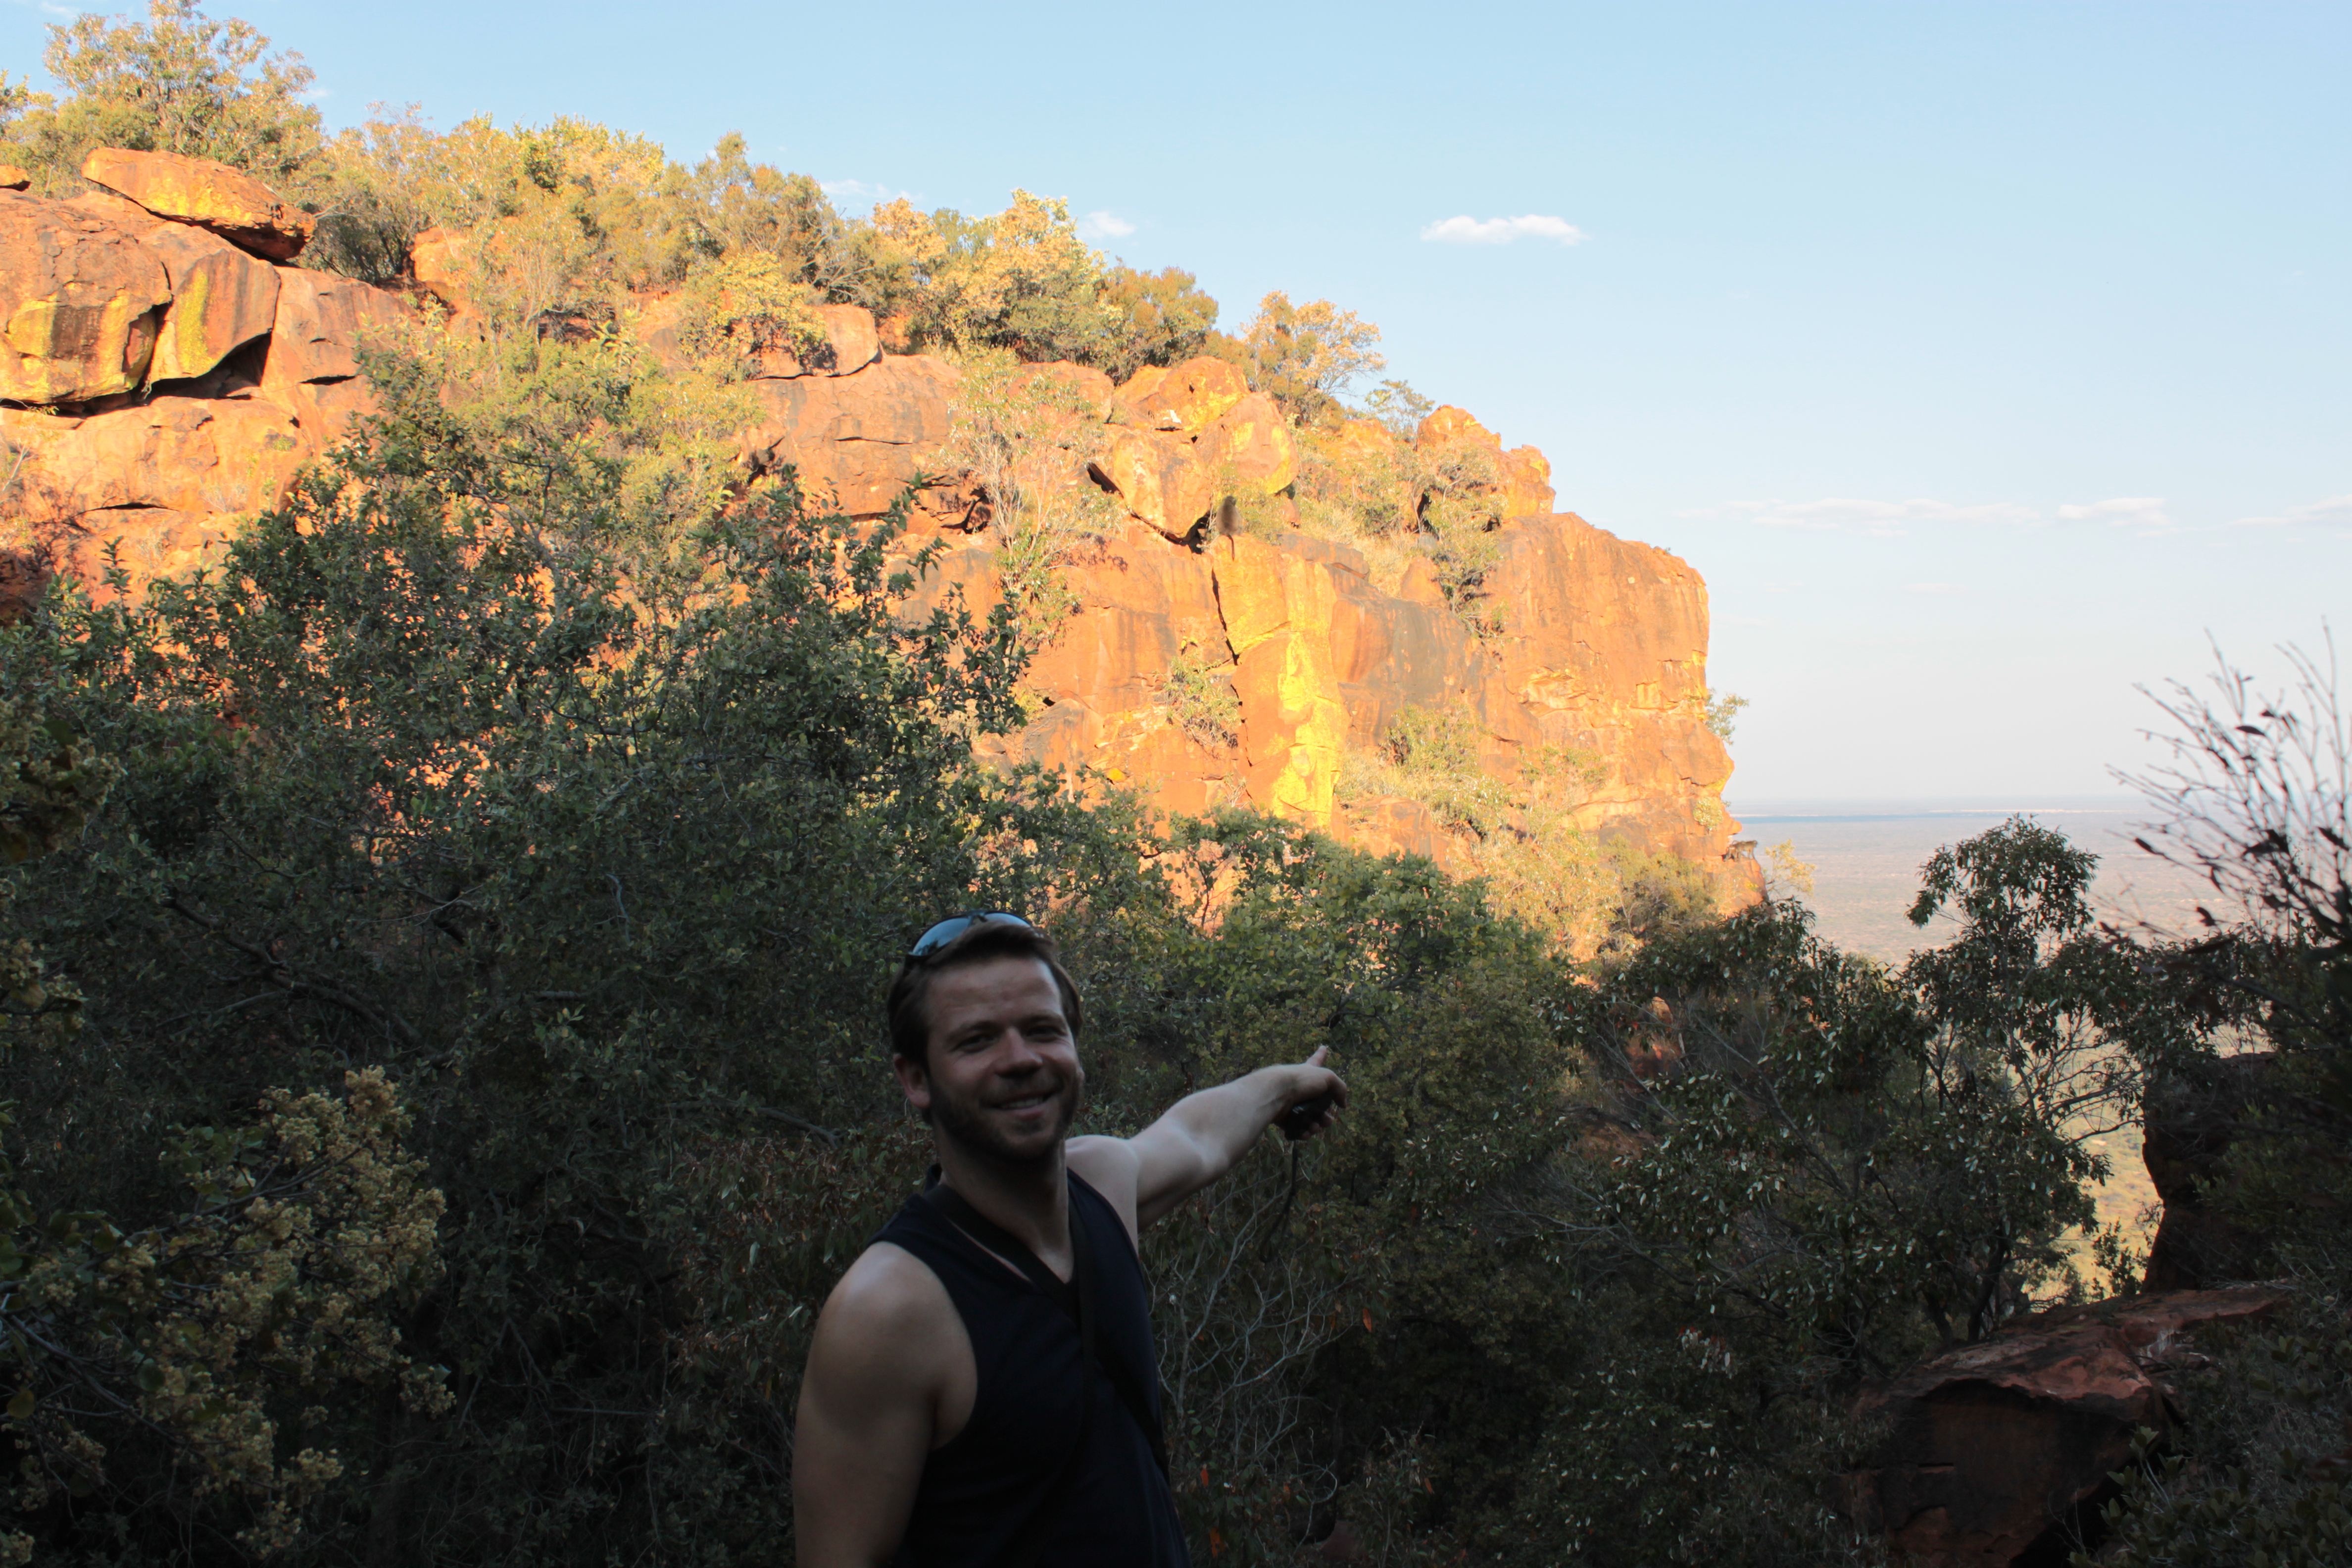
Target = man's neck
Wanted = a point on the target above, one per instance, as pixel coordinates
(1030, 1202)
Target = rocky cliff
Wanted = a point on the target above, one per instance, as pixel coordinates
(167, 370)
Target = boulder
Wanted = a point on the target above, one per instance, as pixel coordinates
(230, 202)
(1160, 480)
(1187, 396)
(857, 439)
(1172, 478)
(2000, 1449)
(79, 303)
(1526, 483)
(851, 344)
(1251, 446)
(13, 178)
(222, 300)
(1446, 424)
(321, 322)
(194, 454)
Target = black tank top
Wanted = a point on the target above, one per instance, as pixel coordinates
(980, 1489)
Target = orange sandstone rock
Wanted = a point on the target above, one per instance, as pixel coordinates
(222, 300)
(79, 303)
(859, 439)
(197, 455)
(1278, 607)
(228, 201)
(1526, 483)
(442, 264)
(1603, 645)
(1993, 1447)
(321, 323)
(1172, 478)
(1187, 396)
(13, 178)
(1446, 424)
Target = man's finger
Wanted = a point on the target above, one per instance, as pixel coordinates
(1316, 1060)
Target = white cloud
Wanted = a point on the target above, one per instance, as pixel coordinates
(1104, 225)
(2146, 513)
(1468, 230)
(2334, 512)
(853, 193)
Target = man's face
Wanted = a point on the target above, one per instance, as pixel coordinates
(1002, 1077)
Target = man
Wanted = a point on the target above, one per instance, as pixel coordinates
(955, 1410)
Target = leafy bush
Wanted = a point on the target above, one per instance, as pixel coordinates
(2266, 1475)
(1306, 356)
(181, 83)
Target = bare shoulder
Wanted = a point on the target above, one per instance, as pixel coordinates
(1112, 1167)
(879, 1321)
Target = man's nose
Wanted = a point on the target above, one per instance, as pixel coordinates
(1016, 1053)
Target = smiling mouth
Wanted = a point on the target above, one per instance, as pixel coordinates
(1026, 1103)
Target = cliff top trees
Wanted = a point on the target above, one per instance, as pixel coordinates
(181, 82)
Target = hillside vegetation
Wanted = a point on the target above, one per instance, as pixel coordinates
(445, 948)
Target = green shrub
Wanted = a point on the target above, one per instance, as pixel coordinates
(2264, 1472)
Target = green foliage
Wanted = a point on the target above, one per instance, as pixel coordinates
(1020, 280)
(180, 82)
(1024, 438)
(1399, 407)
(2072, 1020)
(516, 785)
(1162, 318)
(1199, 691)
(224, 1332)
(1723, 714)
(745, 304)
(1306, 356)
(2266, 1477)
(1433, 757)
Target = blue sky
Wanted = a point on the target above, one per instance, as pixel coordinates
(1985, 357)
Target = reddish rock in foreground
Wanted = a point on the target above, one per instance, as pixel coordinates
(1995, 1448)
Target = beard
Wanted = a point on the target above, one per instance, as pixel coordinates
(967, 1123)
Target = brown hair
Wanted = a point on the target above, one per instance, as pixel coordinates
(908, 1010)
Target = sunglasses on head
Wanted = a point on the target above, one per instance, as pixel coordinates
(947, 931)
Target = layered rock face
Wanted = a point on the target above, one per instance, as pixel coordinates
(168, 375)
(1602, 653)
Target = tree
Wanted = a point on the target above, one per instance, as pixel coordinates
(1306, 356)
(1161, 318)
(1020, 280)
(181, 82)
(2256, 799)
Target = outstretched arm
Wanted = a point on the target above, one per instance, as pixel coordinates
(1202, 1135)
